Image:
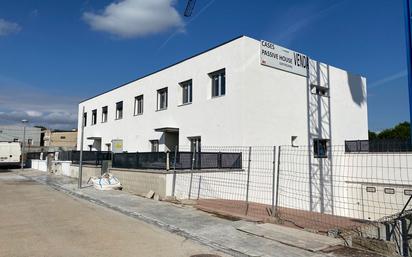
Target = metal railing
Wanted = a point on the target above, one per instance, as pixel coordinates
(378, 145)
(90, 157)
(184, 160)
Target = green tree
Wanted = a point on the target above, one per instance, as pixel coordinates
(399, 132)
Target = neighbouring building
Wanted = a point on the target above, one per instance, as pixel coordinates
(61, 138)
(16, 133)
(242, 92)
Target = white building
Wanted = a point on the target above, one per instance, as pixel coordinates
(242, 92)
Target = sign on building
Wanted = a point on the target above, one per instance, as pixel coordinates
(284, 59)
(117, 145)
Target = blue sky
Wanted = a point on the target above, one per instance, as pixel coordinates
(55, 53)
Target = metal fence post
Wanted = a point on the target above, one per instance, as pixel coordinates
(248, 180)
(273, 180)
(277, 183)
(191, 172)
(198, 188)
(174, 173)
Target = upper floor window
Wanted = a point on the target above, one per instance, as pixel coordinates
(119, 110)
(104, 114)
(162, 99)
(320, 148)
(85, 119)
(186, 91)
(218, 83)
(138, 105)
(94, 117)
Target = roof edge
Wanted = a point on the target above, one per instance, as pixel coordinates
(164, 68)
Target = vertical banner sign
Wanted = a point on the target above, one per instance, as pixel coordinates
(284, 59)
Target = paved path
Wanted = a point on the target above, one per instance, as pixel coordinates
(36, 220)
(196, 225)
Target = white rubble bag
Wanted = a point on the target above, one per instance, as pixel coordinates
(105, 182)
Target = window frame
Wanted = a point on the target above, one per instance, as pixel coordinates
(316, 147)
(220, 90)
(84, 120)
(105, 113)
(154, 145)
(186, 85)
(119, 111)
(159, 99)
(94, 117)
(137, 99)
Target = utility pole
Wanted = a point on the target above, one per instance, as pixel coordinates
(23, 145)
(81, 151)
(407, 16)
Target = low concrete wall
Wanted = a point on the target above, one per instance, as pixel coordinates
(140, 182)
(61, 167)
(39, 165)
(87, 171)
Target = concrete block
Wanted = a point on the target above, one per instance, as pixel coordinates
(150, 194)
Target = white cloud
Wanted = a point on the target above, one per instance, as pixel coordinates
(135, 18)
(34, 113)
(7, 27)
(40, 107)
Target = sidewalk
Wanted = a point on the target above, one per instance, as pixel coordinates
(212, 231)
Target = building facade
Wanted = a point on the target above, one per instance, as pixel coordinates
(63, 139)
(243, 92)
(16, 134)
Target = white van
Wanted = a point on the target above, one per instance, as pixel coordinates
(10, 153)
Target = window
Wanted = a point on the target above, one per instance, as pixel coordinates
(119, 110)
(29, 141)
(154, 145)
(218, 83)
(371, 189)
(407, 192)
(195, 144)
(186, 91)
(390, 191)
(85, 119)
(94, 117)
(62, 137)
(138, 105)
(162, 99)
(15, 140)
(320, 148)
(319, 90)
(104, 114)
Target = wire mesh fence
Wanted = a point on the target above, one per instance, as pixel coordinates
(344, 190)
(243, 189)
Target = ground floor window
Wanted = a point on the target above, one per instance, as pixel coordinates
(320, 148)
(154, 145)
(195, 144)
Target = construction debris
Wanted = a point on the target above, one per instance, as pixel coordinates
(150, 194)
(105, 182)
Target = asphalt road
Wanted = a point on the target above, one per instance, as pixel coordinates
(36, 220)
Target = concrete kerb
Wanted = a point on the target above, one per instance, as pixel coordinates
(139, 216)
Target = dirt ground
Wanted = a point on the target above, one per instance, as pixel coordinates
(36, 220)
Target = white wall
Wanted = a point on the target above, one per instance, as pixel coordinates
(262, 105)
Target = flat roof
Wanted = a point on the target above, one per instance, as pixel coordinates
(164, 68)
